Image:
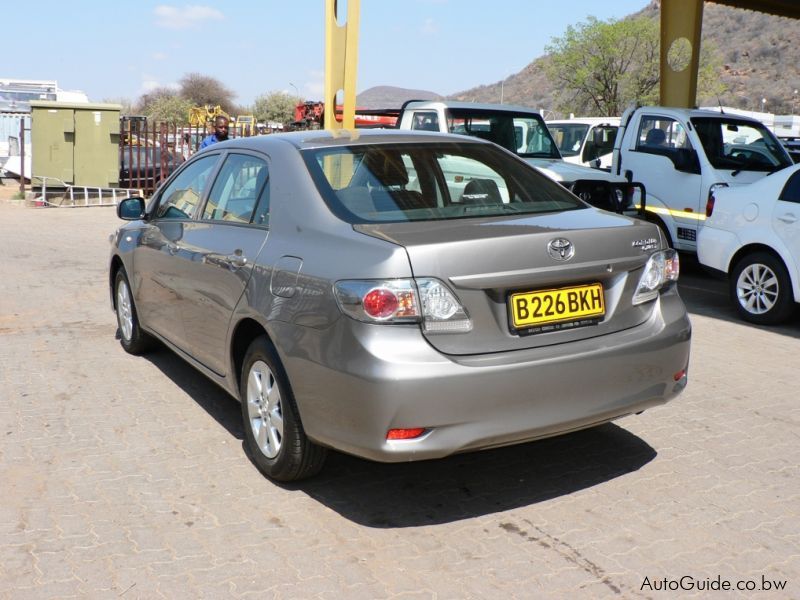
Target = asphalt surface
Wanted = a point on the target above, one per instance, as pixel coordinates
(126, 477)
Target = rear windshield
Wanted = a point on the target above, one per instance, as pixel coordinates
(524, 134)
(569, 137)
(421, 182)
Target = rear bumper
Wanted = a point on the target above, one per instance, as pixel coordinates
(375, 378)
(715, 247)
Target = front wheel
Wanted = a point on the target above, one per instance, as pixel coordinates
(131, 336)
(273, 432)
(761, 290)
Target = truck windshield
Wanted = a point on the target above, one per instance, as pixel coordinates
(378, 183)
(569, 137)
(740, 145)
(525, 134)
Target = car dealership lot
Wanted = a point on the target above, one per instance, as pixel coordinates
(123, 475)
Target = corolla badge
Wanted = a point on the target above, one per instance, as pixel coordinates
(560, 249)
(646, 245)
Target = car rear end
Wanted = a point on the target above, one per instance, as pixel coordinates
(527, 313)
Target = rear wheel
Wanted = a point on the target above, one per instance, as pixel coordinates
(273, 433)
(131, 336)
(761, 290)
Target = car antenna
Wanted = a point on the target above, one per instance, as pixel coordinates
(719, 102)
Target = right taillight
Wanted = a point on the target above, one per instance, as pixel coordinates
(712, 198)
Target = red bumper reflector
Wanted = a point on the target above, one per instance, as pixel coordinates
(679, 375)
(404, 434)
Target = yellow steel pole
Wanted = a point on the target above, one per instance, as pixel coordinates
(341, 61)
(681, 24)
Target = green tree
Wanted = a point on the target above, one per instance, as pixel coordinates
(275, 106)
(202, 90)
(171, 108)
(601, 67)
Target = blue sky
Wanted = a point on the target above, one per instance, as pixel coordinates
(114, 49)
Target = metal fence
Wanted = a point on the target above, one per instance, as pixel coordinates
(150, 150)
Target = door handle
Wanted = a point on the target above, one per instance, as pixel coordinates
(787, 218)
(237, 260)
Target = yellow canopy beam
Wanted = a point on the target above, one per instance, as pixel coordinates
(681, 25)
(341, 61)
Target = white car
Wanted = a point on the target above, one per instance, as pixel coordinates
(752, 234)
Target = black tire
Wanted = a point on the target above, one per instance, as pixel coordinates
(131, 337)
(273, 433)
(761, 290)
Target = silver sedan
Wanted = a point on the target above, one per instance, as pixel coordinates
(397, 296)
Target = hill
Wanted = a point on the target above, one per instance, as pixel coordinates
(385, 96)
(761, 59)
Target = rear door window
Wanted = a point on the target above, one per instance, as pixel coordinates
(235, 192)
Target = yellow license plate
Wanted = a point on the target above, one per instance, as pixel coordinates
(580, 304)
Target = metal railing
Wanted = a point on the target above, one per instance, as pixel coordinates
(64, 195)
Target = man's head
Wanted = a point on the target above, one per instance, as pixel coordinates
(221, 128)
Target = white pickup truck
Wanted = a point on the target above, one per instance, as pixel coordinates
(682, 155)
(587, 141)
(523, 131)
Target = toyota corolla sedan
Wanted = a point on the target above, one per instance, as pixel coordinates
(397, 296)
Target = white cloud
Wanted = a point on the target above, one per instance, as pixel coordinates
(150, 83)
(159, 56)
(186, 17)
(429, 27)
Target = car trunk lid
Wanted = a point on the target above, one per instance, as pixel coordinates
(488, 261)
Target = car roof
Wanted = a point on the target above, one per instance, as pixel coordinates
(422, 104)
(305, 140)
(586, 121)
(699, 112)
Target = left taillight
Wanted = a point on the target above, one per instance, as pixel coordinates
(662, 269)
(712, 198)
(396, 301)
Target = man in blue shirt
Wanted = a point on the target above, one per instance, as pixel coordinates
(220, 132)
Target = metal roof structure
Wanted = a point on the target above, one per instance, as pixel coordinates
(681, 23)
(781, 8)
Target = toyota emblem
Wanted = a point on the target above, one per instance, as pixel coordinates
(560, 249)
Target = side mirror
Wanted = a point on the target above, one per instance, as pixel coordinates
(686, 161)
(131, 209)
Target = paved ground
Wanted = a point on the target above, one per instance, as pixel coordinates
(125, 476)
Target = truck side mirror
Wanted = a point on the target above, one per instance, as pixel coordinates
(686, 160)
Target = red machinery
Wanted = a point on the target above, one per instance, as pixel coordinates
(308, 115)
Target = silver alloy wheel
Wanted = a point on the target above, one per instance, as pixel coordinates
(264, 409)
(757, 288)
(124, 310)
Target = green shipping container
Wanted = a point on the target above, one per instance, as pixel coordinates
(75, 144)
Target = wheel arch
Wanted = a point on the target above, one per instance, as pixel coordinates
(114, 268)
(656, 219)
(246, 331)
(751, 249)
